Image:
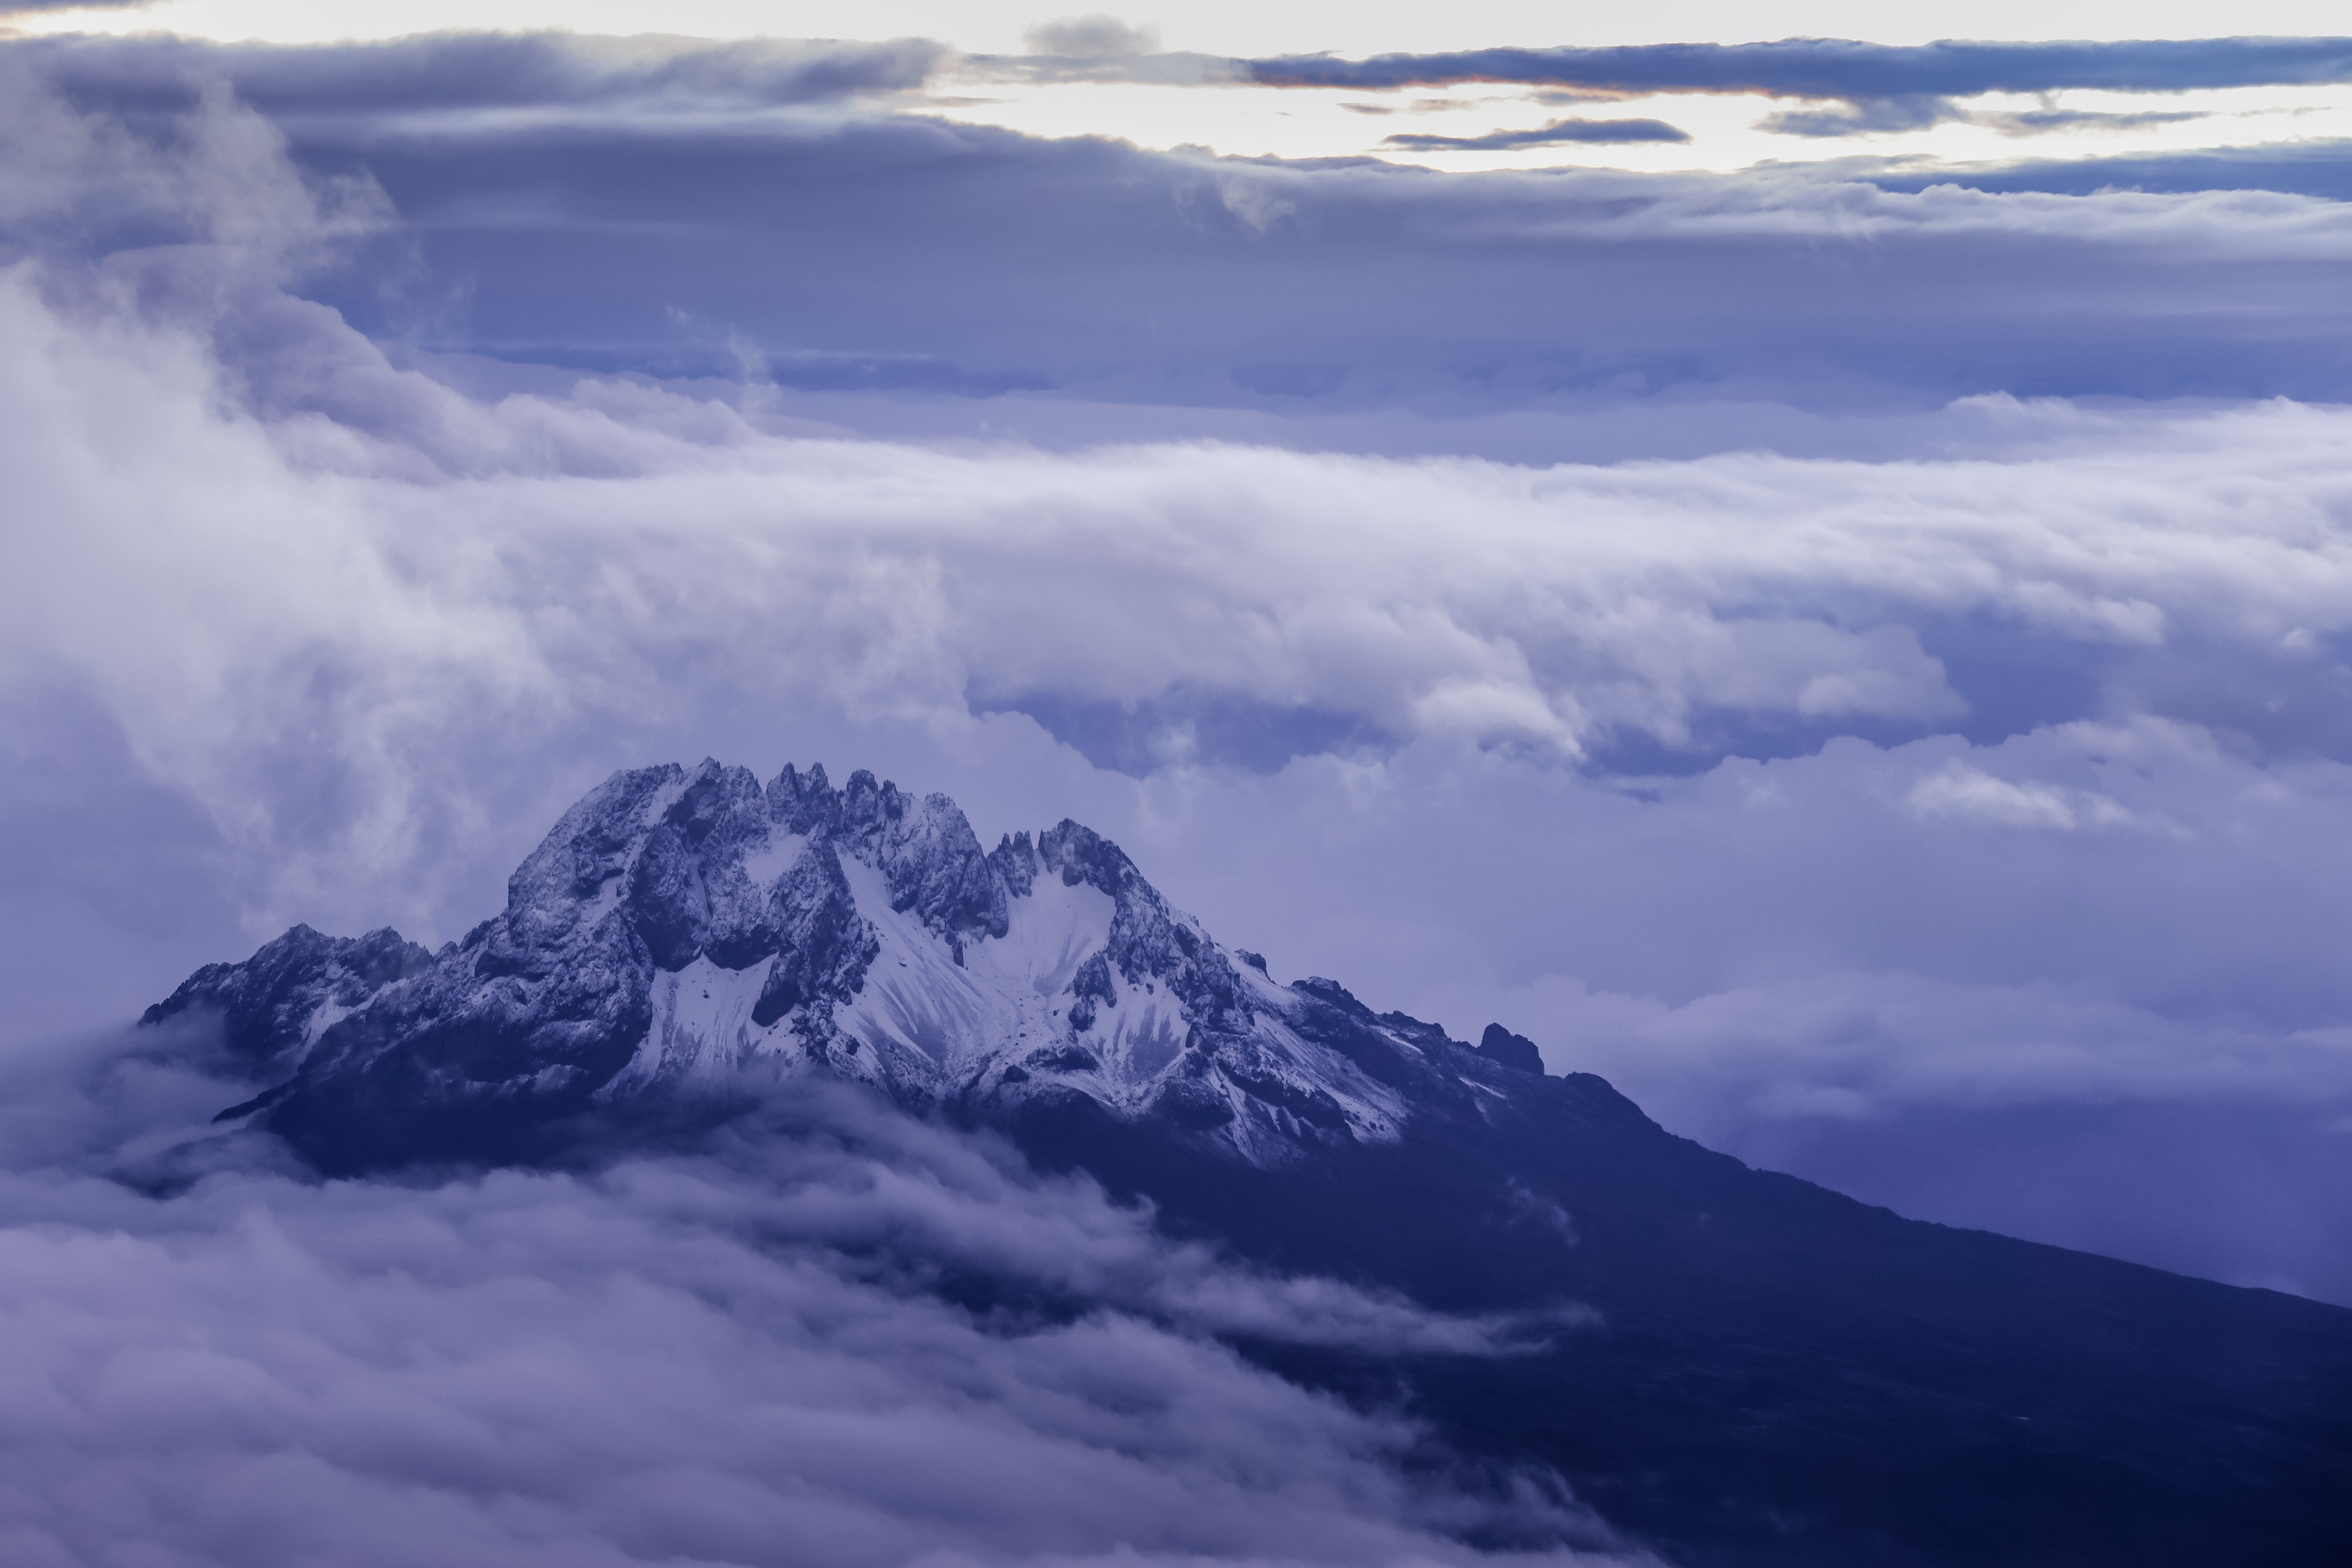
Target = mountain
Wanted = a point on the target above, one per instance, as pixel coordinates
(1775, 1373)
(680, 934)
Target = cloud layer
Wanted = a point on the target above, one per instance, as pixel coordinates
(1999, 775)
(1876, 87)
(789, 221)
(753, 1356)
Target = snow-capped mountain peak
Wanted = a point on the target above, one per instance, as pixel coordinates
(689, 932)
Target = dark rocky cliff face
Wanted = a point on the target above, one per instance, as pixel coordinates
(1767, 1372)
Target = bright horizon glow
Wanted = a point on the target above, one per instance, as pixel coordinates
(1724, 128)
(1216, 27)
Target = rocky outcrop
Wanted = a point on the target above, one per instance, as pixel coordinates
(274, 1006)
(1499, 1045)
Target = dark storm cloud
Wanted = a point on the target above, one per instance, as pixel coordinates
(1559, 134)
(845, 251)
(442, 72)
(1841, 69)
(1096, 270)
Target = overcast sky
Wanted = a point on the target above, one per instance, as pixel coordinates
(1812, 578)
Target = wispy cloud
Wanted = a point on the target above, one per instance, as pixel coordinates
(2041, 122)
(1558, 133)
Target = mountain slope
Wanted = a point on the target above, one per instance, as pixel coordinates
(1777, 1373)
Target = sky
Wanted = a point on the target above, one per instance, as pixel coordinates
(1805, 568)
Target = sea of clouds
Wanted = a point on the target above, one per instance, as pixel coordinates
(839, 1337)
(1947, 795)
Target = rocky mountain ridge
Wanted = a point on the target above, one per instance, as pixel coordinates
(689, 932)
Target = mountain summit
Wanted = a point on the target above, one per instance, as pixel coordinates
(687, 934)
(1768, 1373)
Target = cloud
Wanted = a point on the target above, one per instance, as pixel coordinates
(2035, 123)
(74, 183)
(1827, 69)
(1919, 112)
(2203, 943)
(1094, 36)
(469, 73)
(538, 193)
(288, 571)
(350, 538)
(377, 649)
(1559, 134)
(1964, 795)
(1863, 1046)
(2315, 167)
(1879, 88)
(1852, 296)
(751, 1356)
(1903, 112)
